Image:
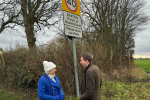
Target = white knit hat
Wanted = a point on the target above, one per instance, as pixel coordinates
(48, 65)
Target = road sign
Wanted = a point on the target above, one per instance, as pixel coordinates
(72, 25)
(74, 32)
(72, 6)
(72, 18)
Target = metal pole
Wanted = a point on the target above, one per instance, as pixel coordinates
(75, 66)
(129, 57)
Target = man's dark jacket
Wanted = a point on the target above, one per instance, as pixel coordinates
(91, 83)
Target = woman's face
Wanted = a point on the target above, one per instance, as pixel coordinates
(52, 72)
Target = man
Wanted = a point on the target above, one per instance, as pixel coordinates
(91, 82)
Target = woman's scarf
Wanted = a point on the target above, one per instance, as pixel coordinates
(51, 89)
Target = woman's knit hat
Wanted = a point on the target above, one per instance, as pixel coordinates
(48, 66)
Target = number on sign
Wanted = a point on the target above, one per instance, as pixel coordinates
(72, 4)
(69, 2)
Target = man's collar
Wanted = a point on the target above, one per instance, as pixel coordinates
(87, 67)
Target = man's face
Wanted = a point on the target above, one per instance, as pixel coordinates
(83, 62)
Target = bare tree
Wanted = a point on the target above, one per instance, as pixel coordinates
(113, 24)
(10, 14)
(33, 15)
(37, 14)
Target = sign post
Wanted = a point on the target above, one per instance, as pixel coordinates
(72, 27)
(75, 67)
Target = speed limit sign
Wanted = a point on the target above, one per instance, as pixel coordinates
(72, 18)
(72, 6)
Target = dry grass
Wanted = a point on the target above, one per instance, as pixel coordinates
(139, 73)
(126, 75)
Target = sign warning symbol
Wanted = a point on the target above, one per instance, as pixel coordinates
(72, 5)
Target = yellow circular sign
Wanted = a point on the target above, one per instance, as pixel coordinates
(72, 6)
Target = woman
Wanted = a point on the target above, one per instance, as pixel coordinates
(49, 85)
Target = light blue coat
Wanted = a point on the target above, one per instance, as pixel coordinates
(48, 89)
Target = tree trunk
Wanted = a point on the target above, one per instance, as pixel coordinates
(30, 36)
(29, 25)
(129, 57)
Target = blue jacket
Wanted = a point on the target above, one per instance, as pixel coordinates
(48, 89)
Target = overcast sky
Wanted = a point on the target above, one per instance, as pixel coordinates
(142, 39)
(11, 39)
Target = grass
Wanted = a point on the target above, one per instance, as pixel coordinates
(111, 90)
(6, 94)
(121, 91)
(135, 90)
(11, 96)
(144, 64)
(139, 74)
(72, 98)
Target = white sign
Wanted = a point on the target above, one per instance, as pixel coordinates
(72, 31)
(72, 19)
(72, 24)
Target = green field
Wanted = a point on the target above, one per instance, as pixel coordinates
(144, 64)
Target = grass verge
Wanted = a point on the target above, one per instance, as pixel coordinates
(110, 91)
(6, 94)
(121, 91)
